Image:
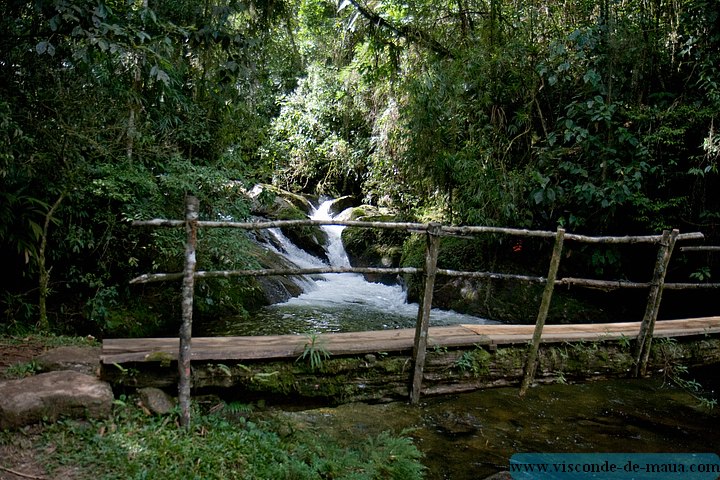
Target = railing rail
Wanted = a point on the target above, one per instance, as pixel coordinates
(433, 232)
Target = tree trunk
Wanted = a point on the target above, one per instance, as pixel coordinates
(43, 271)
(188, 290)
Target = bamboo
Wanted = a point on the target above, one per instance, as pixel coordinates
(423, 321)
(159, 222)
(690, 286)
(191, 217)
(600, 284)
(530, 364)
(644, 339)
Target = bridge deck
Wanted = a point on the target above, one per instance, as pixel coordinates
(290, 346)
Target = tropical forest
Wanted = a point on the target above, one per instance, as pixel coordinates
(592, 116)
(596, 116)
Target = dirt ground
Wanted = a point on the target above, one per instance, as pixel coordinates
(11, 354)
(18, 457)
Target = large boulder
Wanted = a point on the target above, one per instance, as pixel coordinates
(271, 201)
(365, 213)
(79, 359)
(374, 247)
(274, 289)
(341, 204)
(53, 395)
(276, 204)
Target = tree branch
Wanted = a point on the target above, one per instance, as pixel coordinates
(20, 474)
(406, 31)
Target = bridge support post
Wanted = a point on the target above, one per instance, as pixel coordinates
(192, 206)
(423, 321)
(657, 284)
(531, 361)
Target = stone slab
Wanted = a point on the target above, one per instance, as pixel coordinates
(53, 395)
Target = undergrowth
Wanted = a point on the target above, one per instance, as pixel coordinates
(131, 445)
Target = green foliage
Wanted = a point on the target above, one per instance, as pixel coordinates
(675, 371)
(702, 274)
(178, 107)
(474, 362)
(133, 446)
(314, 352)
(20, 370)
(319, 140)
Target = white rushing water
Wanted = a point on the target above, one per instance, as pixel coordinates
(346, 301)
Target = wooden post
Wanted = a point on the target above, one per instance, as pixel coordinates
(644, 340)
(530, 364)
(423, 320)
(192, 205)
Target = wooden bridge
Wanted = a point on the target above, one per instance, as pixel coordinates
(118, 351)
(185, 349)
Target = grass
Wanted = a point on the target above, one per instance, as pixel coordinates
(20, 370)
(220, 445)
(314, 352)
(49, 340)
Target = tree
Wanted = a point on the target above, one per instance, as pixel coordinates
(113, 111)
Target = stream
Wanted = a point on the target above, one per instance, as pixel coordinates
(336, 302)
(473, 435)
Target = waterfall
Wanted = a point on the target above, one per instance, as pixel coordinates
(343, 301)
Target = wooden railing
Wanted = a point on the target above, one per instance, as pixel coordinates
(433, 232)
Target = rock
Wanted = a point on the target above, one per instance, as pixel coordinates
(341, 204)
(79, 359)
(156, 400)
(370, 358)
(367, 247)
(457, 424)
(311, 239)
(268, 200)
(279, 289)
(277, 204)
(50, 396)
(276, 289)
(362, 212)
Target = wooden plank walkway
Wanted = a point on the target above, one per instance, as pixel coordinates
(124, 350)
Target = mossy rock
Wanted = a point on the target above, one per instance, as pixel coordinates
(275, 289)
(375, 247)
(341, 204)
(310, 238)
(270, 201)
(365, 213)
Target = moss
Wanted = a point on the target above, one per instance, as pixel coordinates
(358, 212)
(476, 362)
(509, 360)
(377, 247)
(164, 358)
(310, 238)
